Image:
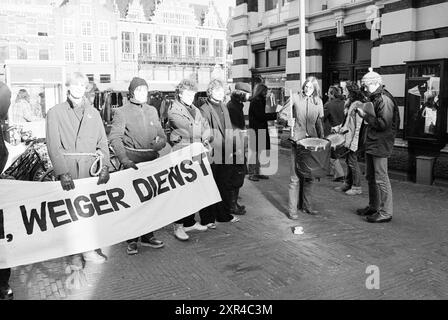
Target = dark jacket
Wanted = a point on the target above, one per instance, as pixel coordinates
(236, 113)
(383, 126)
(333, 114)
(258, 119)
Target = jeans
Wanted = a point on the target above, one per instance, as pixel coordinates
(336, 168)
(300, 190)
(353, 172)
(4, 278)
(380, 190)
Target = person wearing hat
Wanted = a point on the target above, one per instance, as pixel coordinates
(238, 169)
(382, 126)
(75, 132)
(5, 101)
(137, 136)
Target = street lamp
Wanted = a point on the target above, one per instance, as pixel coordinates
(302, 42)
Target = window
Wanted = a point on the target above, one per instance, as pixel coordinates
(68, 27)
(69, 51)
(20, 28)
(203, 47)
(161, 45)
(282, 56)
(104, 52)
(87, 52)
(4, 53)
(22, 53)
(270, 4)
(260, 59)
(86, 10)
(175, 46)
(31, 24)
(44, 54)
(272, 58)
(103, 28)
(87, 28)
(104, 78)
(127, 45)
(190, 44)
(219, 48)
(3, 24)
(91, 77)
(145, 44)
(42, 29)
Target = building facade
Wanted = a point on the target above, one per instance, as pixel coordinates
(344, 39)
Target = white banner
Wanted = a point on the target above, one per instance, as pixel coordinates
(39, 221)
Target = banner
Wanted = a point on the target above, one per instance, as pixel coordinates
(39, 221)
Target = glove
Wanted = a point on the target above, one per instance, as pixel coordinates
(158, 144)
(67, 182)
(130, 164)
(104, 176)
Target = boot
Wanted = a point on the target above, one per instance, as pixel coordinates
(242, 208)
(234, 209)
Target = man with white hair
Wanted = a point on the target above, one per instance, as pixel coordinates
(75, 139)
(382, 125)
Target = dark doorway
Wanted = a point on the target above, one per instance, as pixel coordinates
(347, 58)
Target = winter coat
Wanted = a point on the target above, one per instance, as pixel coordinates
(258, 119)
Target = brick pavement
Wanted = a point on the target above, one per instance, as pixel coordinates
(260, 257)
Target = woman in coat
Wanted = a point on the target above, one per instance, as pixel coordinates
(258, 121)
(308, 113)
(353, 123)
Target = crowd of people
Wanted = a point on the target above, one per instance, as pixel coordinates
(76, 137)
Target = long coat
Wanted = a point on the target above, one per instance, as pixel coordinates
(66, 134)
(258, 119)
(184, 128)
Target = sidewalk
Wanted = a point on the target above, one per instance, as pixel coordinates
(260, 257)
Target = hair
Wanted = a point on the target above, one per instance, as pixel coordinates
(313, 81)
(186, 84)
(259, 89)
(335, 91)
(354, 92)
(77, 77)
(239, 95)
(23, 95)
(214, 84)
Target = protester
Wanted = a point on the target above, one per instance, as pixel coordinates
(137, 136)
(352, 125)
(333, 118)
(186, 125)
(216, 113)
(75, 140)
(308, 113)
(5, 100)
(22, 111)
(382, 125)
(258, 121)
(235, 106)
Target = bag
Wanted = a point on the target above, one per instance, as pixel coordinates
(338, 148)
(312, 158)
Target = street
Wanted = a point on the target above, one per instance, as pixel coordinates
(261, 258)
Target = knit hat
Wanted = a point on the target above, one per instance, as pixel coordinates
(372, 76)
(136, 82)
(243, 87)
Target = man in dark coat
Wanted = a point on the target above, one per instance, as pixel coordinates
(258, 121)
(238, 167)
(382, 125)
(5, 100)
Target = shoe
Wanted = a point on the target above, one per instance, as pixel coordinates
(365, 212)
(243, 208)
(263, 177)
(310, 212)
(211, 225)
(340, 179)
(343, 188)
(253, 178)
(196, 227)
(153, 243)
(294, 216)
(180, 233)
(6, 293)
(235, 219)
(378, 218)
(132, 248)
(354, 191)
(94, 257)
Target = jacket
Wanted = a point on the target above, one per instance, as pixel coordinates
(184, 128)
(258, 119)
(66, 134)
(136, 126)
(383, 126)
(308, 113)
(236, 113)
(352, 124)
(333, 114)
